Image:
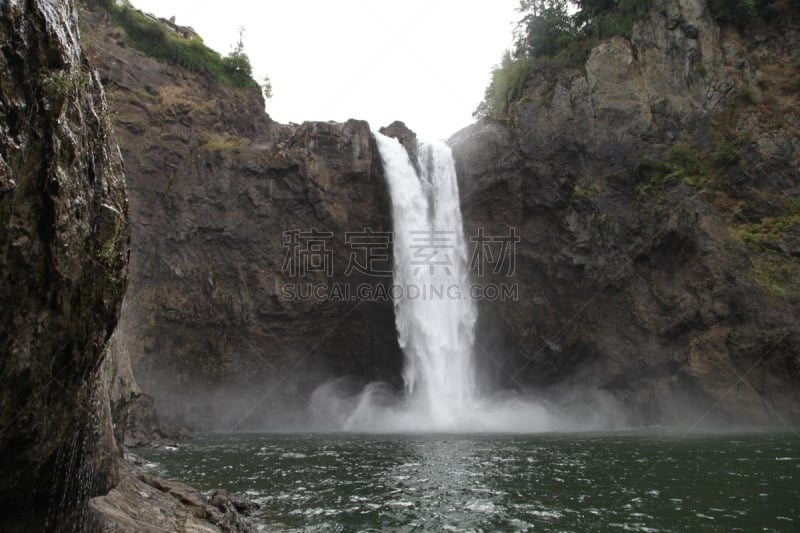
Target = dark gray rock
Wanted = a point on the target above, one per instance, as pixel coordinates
(407, 138)
(215, 187)
(644, 294)
(63, 257)
(144, 503)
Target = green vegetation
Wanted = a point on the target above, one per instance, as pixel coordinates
(749, 95)
(734, 12)
(681, 164)
(266, 87)
(507, 85)
(174, 99)
(561, 34)
(159, 41)
(60, 83)
(223, 143)
(588, 188)
(767, 243)
(726, 155)
(742, 13)
(109, 251)
(548, 36)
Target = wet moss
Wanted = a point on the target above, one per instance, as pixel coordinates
(769, 244)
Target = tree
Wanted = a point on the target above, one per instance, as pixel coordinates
(588, 11)
(545, 28)
(237, 63)
(266, 87)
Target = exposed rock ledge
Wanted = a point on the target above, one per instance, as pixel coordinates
(142, 503)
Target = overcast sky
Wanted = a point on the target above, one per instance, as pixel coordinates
(425, 62)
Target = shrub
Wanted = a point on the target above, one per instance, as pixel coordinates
(766, 242)
(588, 189)
(156, 40)
(507, 85)
(547, 35)
(738, 13)
(749, 95)
(681, 164)
(58, 84)
(727, 155)
(176, 99)
(223, 143)
(601, 19)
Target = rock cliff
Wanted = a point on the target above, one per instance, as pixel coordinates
(223, 202)
(63, 257)
(655, 192)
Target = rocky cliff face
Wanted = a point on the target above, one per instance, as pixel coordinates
(223, 203)
(655, 194)
(63, 255)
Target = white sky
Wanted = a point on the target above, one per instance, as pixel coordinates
(425, 62)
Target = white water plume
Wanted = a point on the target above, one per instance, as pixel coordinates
(436, 330)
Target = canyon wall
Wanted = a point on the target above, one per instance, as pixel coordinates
(655, 192)
(63, 257)
(223, 203)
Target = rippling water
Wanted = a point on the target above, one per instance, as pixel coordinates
(635, 481)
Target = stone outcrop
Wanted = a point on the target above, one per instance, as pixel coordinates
(639, 186)
(141, 502)
(407, 138)
(63, 257)
(223, 202)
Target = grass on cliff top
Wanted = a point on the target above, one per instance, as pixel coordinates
(156, 40)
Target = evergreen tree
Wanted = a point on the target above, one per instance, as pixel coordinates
(544, 29)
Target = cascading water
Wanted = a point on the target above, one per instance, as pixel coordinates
(435, 318)
(435, 315)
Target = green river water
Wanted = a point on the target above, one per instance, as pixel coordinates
(622, 481)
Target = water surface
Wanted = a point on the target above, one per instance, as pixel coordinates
(633, 481)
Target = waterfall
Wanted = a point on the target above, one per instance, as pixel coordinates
(435, 315)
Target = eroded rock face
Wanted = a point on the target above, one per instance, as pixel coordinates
(141, 502)
(218, 325)
(63, 256)
(627, 284)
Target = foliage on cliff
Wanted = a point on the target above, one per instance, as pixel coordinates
(156, 39)
(561, 33)
(555, 33)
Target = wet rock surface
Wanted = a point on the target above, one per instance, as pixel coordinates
(144, 503)
(63, 257)
(407, 138)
